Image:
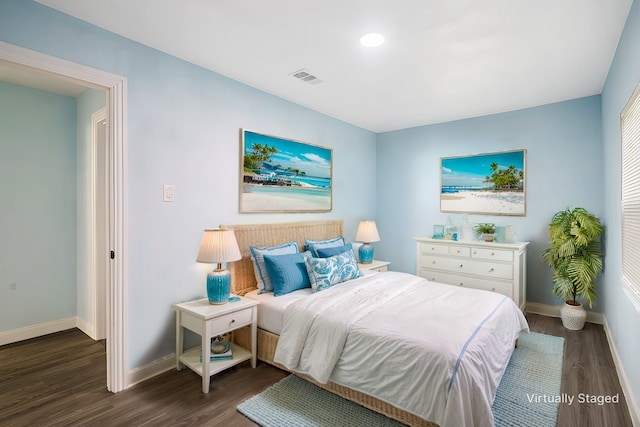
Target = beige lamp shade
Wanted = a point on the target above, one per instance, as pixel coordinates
(367, 232)
(218, 246)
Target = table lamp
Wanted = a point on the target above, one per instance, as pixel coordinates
(218, 246)
(367, 233)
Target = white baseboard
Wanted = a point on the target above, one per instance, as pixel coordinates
(33, 331)
(152, 369)
(86, 327)
(634, 411)
(554, 311)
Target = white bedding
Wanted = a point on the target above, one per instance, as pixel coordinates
(434, 350)
(271, 308)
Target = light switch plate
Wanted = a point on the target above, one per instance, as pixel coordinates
(168, 193)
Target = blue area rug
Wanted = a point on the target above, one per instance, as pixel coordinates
(531, 380)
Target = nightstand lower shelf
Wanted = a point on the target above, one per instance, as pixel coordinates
(191, 359)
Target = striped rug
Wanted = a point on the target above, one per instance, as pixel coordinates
(525, 397)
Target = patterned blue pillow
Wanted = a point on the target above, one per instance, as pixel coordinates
(314, 245)
(259, 269)
(326, 272)
(327, 252)
(287, 273)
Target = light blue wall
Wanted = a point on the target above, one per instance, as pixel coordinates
(563, 168)
(38, 207)
(622, 317)
(183, 129)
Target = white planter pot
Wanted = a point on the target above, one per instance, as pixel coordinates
(573, 316)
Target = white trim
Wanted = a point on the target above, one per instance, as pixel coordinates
(631, 294)
(634, 411)
(152, 369)
(97, 236)
(86, 327)
(554, 311)
(116, 87)
(33, 331)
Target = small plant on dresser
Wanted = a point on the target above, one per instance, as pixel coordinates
(486, 231)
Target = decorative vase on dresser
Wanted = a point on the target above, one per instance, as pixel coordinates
(497, 267)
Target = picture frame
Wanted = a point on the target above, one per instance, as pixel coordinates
(284, 175)
(488, 183)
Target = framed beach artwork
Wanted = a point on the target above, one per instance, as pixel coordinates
(283, 175)
(490, 183)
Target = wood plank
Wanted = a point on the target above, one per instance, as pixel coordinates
(59, 379)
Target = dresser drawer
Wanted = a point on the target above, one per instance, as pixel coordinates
(461, 251)
(492, 254)
(426, 248)
(231, 321)
(469, 282)
(467, 266)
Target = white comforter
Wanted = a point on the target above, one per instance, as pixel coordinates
(435, 350)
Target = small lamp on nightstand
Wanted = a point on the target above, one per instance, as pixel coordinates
(367, 233)
(218, 246)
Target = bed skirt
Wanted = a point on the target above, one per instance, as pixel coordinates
(267, 343)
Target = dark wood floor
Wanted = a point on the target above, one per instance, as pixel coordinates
(59, 380)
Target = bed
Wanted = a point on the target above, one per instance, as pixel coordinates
(436, 364)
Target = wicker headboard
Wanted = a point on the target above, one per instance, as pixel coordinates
(243, 278)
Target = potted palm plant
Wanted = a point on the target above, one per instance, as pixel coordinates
(575, 255)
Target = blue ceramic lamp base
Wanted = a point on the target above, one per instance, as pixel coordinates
(218, 286)
(365, 253)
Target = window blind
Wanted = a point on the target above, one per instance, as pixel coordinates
(630, 131)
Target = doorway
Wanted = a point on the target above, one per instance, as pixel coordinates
(115, 286)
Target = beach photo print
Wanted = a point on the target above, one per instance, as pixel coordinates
(491, 183)
(283, 175)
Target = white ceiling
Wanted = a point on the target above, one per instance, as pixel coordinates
(442, 60)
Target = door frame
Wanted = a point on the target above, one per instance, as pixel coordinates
(99, 224)
(116, 88)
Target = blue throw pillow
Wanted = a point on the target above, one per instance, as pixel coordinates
(257, 255)
(314, 245)
(287, 273)
(326, 272)
(327, 252)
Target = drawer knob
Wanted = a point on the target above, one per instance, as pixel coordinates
(461, 266)
(492, 254)
(233, 321)
(493, 289)
(461, 284)
(490, 270)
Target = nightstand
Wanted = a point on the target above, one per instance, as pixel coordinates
(375, 265)
(209, 321)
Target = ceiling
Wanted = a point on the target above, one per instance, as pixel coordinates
(442, 60)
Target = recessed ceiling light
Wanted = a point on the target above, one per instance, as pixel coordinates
(372, 40)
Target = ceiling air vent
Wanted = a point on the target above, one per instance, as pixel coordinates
(305, 76)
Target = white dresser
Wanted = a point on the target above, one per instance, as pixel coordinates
(498, 267)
